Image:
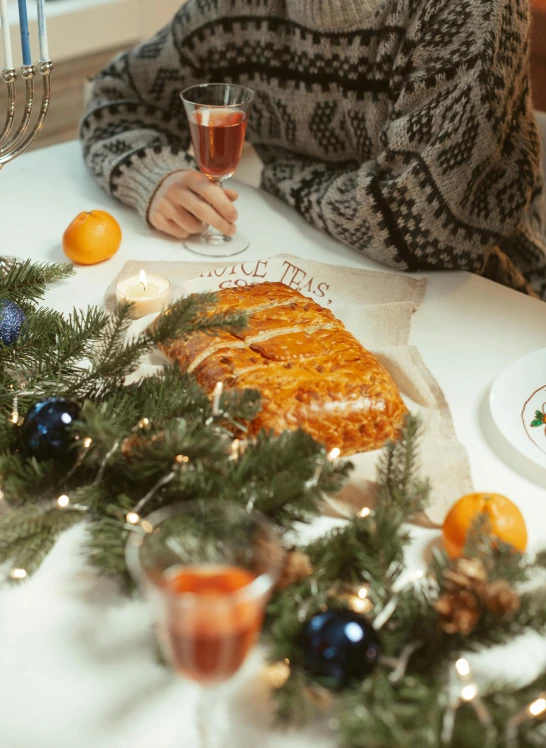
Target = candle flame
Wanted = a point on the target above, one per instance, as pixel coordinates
(143, 280)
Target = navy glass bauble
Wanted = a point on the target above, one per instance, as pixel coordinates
(12, 319)
(339, 646)
(47, 432)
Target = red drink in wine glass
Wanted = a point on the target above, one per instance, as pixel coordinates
(208, 568)
(210, 644)
(218, 136)
(217, 118)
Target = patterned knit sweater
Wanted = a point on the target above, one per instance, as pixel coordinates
(403, 128)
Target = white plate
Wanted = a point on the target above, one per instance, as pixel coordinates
(517, 395)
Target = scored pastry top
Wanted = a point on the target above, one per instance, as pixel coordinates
(311, 372)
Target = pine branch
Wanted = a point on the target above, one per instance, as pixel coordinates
(193, 314)
(47, 359)
(25, 479)
(399, 486)
(26, 281)
(106, 543)
(27, 536)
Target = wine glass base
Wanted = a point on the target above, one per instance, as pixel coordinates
(217, 245)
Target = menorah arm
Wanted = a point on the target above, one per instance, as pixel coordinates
(45, 71)
(28, 72)
(9, 77)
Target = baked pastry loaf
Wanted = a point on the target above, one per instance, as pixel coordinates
(311, 372)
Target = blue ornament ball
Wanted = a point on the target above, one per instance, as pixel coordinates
(12, 319)
(339, 646)
(46, 430)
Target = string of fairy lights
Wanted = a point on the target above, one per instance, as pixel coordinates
(134, 518)
(463, 687)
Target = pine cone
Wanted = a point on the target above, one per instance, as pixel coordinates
(266, 552)
(466, 574)
(459, 612)
(131, 444)
(296, 568)
(500, 598)
(136, 443)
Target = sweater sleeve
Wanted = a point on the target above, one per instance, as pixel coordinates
(134, 131)
(459, 159)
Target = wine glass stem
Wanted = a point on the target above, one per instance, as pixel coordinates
(212, 718)
(212, 235)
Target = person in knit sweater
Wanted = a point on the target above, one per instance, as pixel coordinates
(403, 128)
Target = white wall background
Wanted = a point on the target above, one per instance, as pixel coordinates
(81, 27)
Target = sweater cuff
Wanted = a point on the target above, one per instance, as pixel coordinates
(135, 179)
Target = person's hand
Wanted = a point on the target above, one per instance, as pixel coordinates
(187, 202)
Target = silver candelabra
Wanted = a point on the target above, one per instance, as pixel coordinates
(13, 144)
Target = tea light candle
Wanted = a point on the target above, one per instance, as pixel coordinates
(148, 294)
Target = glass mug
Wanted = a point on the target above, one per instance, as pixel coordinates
(208, 568)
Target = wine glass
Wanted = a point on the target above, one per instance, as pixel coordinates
(208, 568)
(218, 116)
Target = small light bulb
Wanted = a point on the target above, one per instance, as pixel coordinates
(87, 442)
(334, 453)
(14, 418)
(132, 518)
(364, 512)
(362, 593)
(358, 605)
(181, 459)
(143, 423)
(217, 394)
(18, 573)
(537, 708)
(147, 526)
(462, 667)
(419, 574)
(63, 501)
(469, 692)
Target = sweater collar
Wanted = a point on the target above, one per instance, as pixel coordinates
(331, 14)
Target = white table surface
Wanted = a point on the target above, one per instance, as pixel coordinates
(76, 668)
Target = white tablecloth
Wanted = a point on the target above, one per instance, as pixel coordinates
(76, 664)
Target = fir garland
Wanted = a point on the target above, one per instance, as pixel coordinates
(144, 445)
(158, 441)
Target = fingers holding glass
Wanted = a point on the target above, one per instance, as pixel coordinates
(210, 215)
(187, 203)
(218, 117)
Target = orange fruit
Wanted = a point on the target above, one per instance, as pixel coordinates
(505, 519)
(92, 237)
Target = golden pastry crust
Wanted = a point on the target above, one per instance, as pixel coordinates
(311, 372)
